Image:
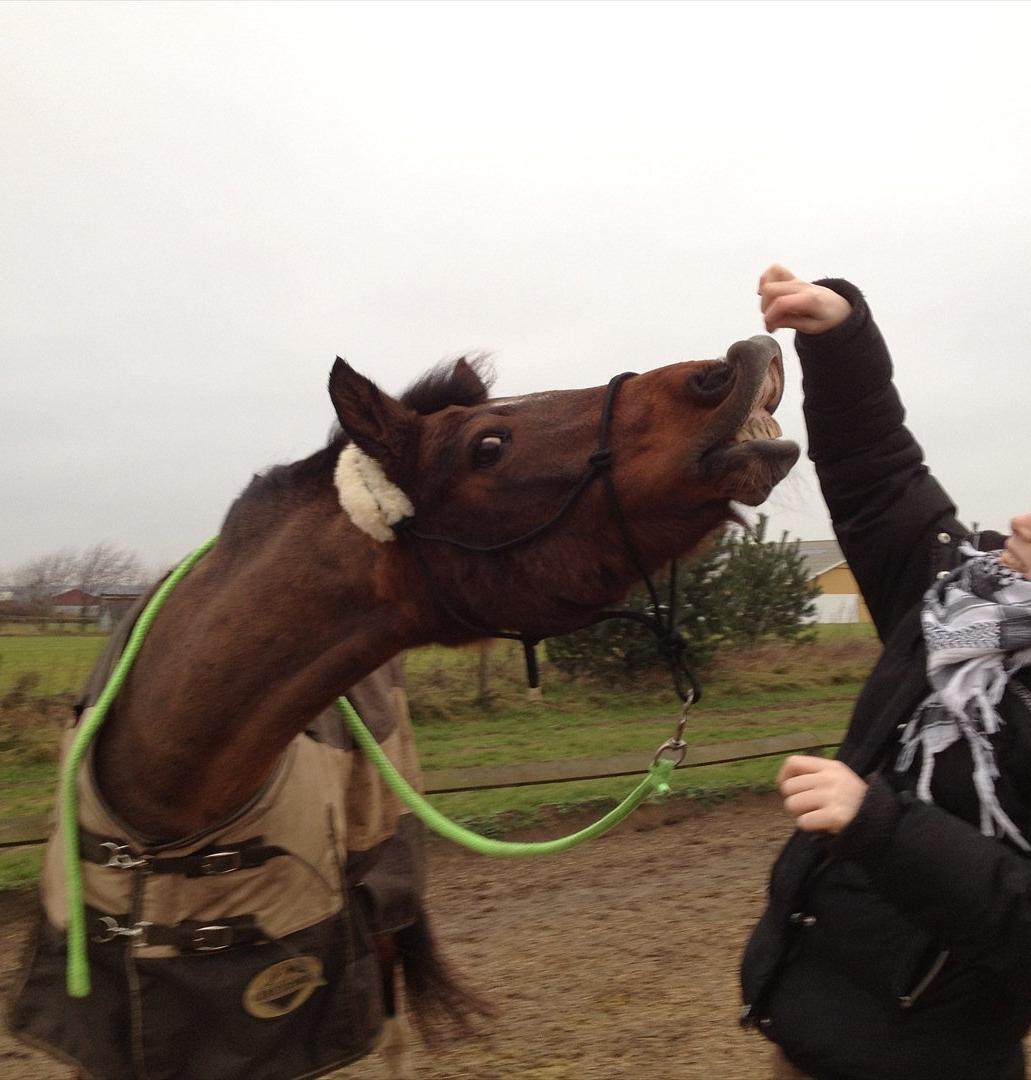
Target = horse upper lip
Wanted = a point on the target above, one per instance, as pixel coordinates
(758, 384)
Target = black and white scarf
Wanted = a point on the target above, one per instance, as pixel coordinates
(977, 630)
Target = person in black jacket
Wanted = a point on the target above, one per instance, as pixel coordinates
(896, 944)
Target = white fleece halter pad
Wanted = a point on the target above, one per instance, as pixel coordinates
(371, 501)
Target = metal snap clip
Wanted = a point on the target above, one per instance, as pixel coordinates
(109, 928)
(675, 744)
(121, 857)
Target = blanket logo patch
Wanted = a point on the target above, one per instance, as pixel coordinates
(283, 987)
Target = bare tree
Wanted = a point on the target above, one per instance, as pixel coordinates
(104, 565)
(94, 570)
(45, 576)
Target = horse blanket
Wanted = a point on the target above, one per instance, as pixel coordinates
(243, 953)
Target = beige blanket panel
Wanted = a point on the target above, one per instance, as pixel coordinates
(322, 802)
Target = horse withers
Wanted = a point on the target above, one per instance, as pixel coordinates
(223, 945)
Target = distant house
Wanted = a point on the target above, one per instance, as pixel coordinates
(116, 601)
(839, 600)
(75, 602)
(16, 601)
(10, 600)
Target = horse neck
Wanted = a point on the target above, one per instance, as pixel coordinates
(247, 650)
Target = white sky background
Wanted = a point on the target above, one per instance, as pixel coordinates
(201, 204)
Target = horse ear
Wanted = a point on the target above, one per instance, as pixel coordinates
(377, 424)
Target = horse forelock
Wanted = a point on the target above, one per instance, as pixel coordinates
(465, 381)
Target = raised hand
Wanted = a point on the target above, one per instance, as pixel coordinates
(789, 303)
(821, 794)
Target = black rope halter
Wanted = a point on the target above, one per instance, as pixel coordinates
(661, 620)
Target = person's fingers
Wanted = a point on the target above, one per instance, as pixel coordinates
(821, 794)
(774, 290)
(800, 765)
(793, 311)
(792, 785)
(804, 803)
(775, 272)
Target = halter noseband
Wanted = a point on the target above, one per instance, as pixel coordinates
(662, 619)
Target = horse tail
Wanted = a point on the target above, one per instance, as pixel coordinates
(440, 1005)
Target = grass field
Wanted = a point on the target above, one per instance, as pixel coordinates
(61, 661)
(769, 690)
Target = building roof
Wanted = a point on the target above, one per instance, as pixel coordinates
(73, 598)
(123, 592)
(820, 556)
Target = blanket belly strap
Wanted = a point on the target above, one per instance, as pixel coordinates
(207, 862)
(188, 936)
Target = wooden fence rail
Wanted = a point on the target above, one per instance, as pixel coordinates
(27, 831)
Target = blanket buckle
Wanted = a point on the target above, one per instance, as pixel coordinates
(221, 862)
(211, 938)
(121, 857)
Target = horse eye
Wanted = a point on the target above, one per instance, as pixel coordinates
(488, 451)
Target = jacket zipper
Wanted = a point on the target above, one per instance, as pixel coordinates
(907, 1001)
(751, 1011)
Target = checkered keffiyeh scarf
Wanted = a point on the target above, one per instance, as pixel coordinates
(977, 629)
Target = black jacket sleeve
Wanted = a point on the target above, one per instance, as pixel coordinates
(886, 508)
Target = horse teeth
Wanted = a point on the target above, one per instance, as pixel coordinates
(759, 425)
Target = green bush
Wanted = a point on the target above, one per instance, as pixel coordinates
(745, 590)
(761, 591)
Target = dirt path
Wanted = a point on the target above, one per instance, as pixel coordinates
(615, 959)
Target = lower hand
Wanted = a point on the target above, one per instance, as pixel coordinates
(821, 794)
(788, 302)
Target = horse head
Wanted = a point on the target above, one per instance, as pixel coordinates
(496, 512)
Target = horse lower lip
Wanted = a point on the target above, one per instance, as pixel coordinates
(750, 471)
(726, 456)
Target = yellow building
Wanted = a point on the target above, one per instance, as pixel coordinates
(839, 600)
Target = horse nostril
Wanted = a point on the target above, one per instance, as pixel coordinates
(712, 384)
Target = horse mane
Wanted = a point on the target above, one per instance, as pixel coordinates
(463, 381)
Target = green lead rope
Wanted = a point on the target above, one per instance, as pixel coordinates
(656, 780)
(78, 978)
(77, 975)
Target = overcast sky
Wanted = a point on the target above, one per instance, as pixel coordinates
(201, 204)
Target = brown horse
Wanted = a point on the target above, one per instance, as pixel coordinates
(438, 517)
